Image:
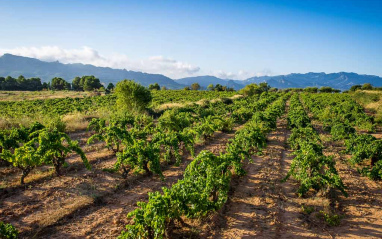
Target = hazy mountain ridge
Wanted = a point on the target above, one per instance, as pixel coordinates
(30, 67)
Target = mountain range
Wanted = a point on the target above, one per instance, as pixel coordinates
(11, 65)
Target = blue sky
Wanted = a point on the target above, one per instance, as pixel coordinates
(229, 39)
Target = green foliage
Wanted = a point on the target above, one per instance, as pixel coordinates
(27, 148)
(132, 96)
(340, 113)
(155, 86)
(87, 83)
(355, 87)
(7, 231)
(205, 185)
(59, 84)
(113, 134)
(341, 131)
(207, 126)
(309, 166)
(250, 90)
(195, 86)
(331, 219)
(311, 89)
(140, 155)
(54, 147)
(314, 170)
(367, 86)
(110, 86)
(327, 89)
(21, 83)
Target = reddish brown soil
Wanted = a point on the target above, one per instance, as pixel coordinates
(94, 204)
(260, 206)
(86, 203)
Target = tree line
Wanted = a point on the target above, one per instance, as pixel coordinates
(84, 83)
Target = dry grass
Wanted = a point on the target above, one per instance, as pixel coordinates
(371, 100)
(75, 122)
(169, 106)
(201, 102)
(51, 217)
(41, 95)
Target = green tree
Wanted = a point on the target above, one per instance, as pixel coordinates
(218, 87)
(59, 84)
(251, 89)
(195, 86)
(326, 89)
(91, 83)
(311, 89)
(264, 86)
(76, 84)
(186, 88)
(355, 87)
(110, 86)
(164, 88)
(155, 86)
(131, 96)
(210, 87)
(367, 86)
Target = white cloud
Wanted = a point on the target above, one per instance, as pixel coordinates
(154, 64)
(87, 55)
(241, 74)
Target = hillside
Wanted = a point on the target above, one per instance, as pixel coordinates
(341, 80)
(11, 65)
(29, 67)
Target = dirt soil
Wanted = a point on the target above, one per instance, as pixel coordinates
(261, 206)
(94, 204)
(83, 203)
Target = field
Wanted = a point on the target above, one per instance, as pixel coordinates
(41, 95)
(198, 165)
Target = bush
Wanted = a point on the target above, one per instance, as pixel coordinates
(132, 96)
(7, 231)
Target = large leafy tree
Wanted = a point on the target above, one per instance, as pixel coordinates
(131, 96)
(155, 86)
(110, 86)
(87, 83)
(59, 84)
(195, 86)
(21, 83)
(91, 83)
(76, 84)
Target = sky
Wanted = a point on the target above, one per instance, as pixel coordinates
(227, 39)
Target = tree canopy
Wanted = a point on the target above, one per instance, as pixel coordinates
(131, 96)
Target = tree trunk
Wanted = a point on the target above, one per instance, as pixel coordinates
(125, 172)
(374, 160)
(146, 168)
(26, 171)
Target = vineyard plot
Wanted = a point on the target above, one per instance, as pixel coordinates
(254, 200)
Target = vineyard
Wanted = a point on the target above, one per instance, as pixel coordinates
(195, 164)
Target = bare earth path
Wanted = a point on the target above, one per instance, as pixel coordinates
(362, 210)
(260, 205)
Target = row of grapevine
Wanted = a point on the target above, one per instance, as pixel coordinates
(365, 149)
(310, 166)
(62, 106)
(140, 144)
(27, 148)
(205, 185)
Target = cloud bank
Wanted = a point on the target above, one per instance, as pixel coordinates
(155, 64)
(87, 55)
